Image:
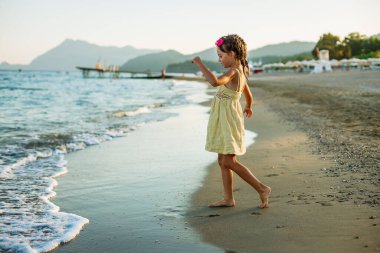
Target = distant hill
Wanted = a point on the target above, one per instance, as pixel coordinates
(7, 66)
(156, 61)
(72, 53)
(376, 36)
(189, 67)
(282, 49)
(207, 55)
(153, 62)
(283, 59)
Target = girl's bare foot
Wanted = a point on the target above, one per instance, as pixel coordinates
(264, 196)
(223, 203)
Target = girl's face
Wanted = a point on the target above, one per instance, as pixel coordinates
(226, 59)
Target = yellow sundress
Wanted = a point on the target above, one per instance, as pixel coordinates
(225, 129)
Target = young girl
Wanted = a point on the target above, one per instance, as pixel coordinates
(225, 131)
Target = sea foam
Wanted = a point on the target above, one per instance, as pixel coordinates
(29, 221)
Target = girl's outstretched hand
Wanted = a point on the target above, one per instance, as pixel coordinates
(248, 112)
(196, 60)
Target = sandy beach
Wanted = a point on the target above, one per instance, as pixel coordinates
(317, 147)
(324, 177)
(340, 112)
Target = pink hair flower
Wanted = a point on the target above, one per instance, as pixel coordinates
(219, 42)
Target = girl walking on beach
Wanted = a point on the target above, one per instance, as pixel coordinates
(225, 130)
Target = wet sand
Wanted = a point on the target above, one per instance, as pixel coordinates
(317, 148)
(136, 189)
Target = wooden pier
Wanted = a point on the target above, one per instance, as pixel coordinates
(115, 73)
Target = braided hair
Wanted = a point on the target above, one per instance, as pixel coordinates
(235, 43)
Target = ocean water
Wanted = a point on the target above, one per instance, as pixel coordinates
(45, 115)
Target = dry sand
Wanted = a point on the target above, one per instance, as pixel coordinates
(317, 147)
(340, 111)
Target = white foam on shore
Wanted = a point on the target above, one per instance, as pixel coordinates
(6, 171)
(29, 221)
(141, 110)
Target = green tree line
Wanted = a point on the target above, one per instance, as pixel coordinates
(354, 45)
(284, 59)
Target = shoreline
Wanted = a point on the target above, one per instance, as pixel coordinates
(135, 189)
(310, 210)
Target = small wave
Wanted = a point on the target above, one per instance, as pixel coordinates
(49, 140)
(142, 110)
(18, 88)
(30, 222)
(138, 111)
(7, 170)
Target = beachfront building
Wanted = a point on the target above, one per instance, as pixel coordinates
(323, 64)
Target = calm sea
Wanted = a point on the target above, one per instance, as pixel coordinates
(45, 115)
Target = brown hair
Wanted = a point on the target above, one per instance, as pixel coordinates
(235, 43)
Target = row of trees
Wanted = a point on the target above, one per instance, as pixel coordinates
(353, 45)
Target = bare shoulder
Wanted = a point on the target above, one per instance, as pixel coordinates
(233, 79)
(231, 73)
(226, 77)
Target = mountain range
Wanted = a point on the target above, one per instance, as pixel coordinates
(72, 53)
(157, 61)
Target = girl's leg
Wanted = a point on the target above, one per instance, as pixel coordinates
(264, 191)
(228, 185)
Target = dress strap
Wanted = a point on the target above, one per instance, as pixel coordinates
(238, 86)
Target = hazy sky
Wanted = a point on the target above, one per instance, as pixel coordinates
(31, 27)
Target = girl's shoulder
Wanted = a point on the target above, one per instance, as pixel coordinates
(233, 73)
(235, 79)
(236, 74)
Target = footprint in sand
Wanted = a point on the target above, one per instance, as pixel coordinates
(208, 216)
(324, 203)
(271, 175)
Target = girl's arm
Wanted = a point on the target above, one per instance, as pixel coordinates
(211, 77)
(248, 101)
